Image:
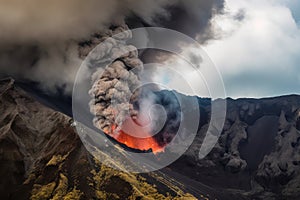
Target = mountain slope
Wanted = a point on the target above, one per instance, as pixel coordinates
(257, 156)
(258, 153)
(42, 157)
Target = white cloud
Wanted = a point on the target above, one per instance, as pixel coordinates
(262, 54)
(191, 73)
(182, 74)
(294, 5)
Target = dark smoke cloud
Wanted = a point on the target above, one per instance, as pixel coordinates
(193, 18)
(52, 65)
(53, 19)
(118, 95)
(114, 87)
(171, 105)
(39, 39)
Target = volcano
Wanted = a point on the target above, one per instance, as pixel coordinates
(42, 157)
(42, 152)
(139, 134)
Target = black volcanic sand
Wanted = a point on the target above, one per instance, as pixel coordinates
(260, 141)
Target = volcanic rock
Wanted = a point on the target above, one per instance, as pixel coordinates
(258, 153)
(42, 157)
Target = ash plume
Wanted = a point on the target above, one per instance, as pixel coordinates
(113, 89)
(45, 41)
(121, 103)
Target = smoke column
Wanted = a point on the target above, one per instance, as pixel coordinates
(114, 87)
(134, 115)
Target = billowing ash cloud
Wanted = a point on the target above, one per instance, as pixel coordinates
(39, 39)
(70, 19)
(52, 65)
(114, 87)
(193, 18)
(134, 114)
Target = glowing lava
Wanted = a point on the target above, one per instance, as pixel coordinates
(144, 143)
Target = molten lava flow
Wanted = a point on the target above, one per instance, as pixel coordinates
(140, 143)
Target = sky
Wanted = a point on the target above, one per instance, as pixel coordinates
(255, 44)
(259, 54)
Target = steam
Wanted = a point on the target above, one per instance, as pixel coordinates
(165, 125)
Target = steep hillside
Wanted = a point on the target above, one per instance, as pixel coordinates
(258, 153)
(42, 157)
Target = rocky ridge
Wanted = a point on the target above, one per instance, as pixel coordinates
(42, 157)
(258, 152)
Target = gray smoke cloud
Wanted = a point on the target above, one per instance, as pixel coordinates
(114, 87)
(45, 41)
(121, 103)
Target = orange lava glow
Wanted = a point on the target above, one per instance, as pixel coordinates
(144, 143)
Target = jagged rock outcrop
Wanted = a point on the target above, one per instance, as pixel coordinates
(37, 146)
(258, 152)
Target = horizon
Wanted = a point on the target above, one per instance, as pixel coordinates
(256, 53)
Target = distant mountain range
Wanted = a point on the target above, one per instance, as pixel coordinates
(257, 156)
(258, 153)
